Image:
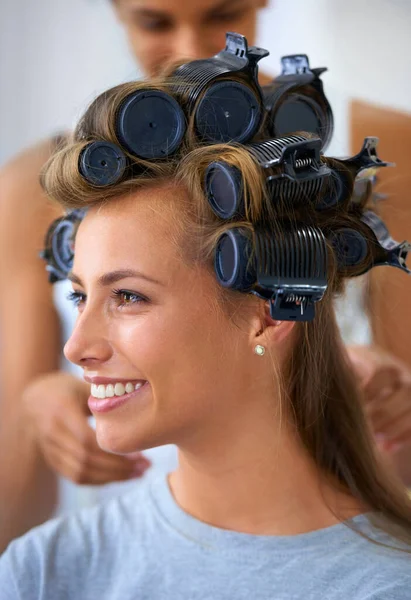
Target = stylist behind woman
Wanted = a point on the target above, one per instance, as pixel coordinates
(278, 492)
(55, 436)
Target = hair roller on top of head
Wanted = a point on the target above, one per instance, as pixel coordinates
(295, 101)
(287, 267)
(292, 168)
(223, 93)
(102, 163)
(150, 124)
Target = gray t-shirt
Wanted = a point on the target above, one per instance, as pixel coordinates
(143, 546)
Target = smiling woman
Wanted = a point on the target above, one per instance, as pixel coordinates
(204, 278)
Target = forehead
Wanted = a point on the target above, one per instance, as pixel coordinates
(139, 230)
(183, 7)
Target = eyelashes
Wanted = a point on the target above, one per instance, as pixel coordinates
(124, 298)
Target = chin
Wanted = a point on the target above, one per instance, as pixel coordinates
(119, 440)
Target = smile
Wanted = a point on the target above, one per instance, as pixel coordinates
(114, 389)
(104, 398)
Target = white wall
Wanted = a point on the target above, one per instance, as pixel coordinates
(55, 55)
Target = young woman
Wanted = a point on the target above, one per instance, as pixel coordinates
(278, 492)
(43, 426)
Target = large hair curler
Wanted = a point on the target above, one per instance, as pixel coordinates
(292, 167)
(150, 124)
(222, 92)
(295, 101)
(59, 245)
(289, 269)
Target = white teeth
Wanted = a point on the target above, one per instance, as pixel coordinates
(110, 390)
(119, 389)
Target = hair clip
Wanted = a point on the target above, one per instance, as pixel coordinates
(345, 172)
(288, 269)
(295, 101)
(150, 124)
(59, 245)
(102, 163)
(223, 92)
(386, 251)
(292, 167)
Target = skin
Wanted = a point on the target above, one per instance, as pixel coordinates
(35, 396)
(241, 467)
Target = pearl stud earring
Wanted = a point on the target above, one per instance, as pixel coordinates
(259, 350)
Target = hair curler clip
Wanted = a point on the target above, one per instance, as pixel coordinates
(223, 92)
(301, 177)
(386, 251)
(295, 100)
(288, 270)
(345, 172)
(59, 245)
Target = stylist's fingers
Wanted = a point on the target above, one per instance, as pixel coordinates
(383, 383)
(80, 473)
(88, 456)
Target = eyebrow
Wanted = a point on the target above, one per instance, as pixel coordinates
(114, 276)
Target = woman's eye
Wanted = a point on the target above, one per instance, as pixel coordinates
(128, 298)
(77, 298)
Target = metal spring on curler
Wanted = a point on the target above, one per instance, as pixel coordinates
(301, 163)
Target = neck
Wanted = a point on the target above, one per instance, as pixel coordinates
(258, 483)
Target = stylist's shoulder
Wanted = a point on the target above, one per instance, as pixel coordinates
(24, 207)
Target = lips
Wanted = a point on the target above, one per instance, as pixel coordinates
(102, 404)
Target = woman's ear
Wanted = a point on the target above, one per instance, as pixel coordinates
(270, 331)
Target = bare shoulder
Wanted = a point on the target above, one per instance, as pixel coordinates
(20, 181)
(25, 210)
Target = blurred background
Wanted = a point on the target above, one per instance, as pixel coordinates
(56, 55)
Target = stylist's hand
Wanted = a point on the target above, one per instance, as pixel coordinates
(386, 385)
(56, 409)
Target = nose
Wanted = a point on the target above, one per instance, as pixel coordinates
(88, 346)
(189, 44)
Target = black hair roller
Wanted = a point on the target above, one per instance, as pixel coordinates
(295, 101)
(102, 163)
(366, 245)
(59, 245)
(222, 92)
(150, 124)
(345, 171)
(289, 269)
(292, 166)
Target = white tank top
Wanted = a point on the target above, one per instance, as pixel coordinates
(164, 458)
